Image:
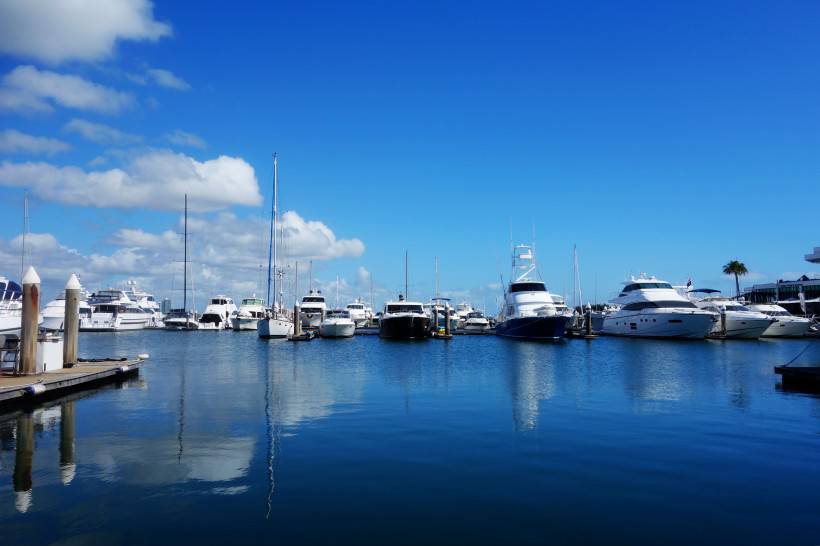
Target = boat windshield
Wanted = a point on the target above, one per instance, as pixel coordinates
(311, 299)
(659, 304)
(338, 314)
(645, 285)
(403, 308)
(527, 287)
(355, 306)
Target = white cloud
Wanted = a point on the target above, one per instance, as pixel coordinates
(314, 240)
(156, 180)
(58, 30)
(13, 141)
(27, 89)
(363, 277)
(100, 133)
(181, 138)
(166, 78)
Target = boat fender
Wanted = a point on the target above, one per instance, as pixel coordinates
(123, 369)
(35, 389)
(143, 356)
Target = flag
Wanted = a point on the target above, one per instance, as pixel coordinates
(689, 283)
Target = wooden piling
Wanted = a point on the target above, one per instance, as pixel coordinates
(297, 321)
(29, 327)
(71, 322)
(447, 319)
(588, 322)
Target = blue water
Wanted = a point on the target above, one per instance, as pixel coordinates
(478, 440)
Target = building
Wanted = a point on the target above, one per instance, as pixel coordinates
(792, 295)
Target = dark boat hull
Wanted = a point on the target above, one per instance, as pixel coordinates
(537, 328)
(404, 327)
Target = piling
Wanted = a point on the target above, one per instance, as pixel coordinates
(297, 321)
(23, 461)
(67, 465)
(447, 319)
(588, 322)
(723, 322)
(29, 327)
(71, 322)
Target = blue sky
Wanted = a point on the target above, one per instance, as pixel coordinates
(658, 138)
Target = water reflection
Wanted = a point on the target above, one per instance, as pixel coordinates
(531, 380)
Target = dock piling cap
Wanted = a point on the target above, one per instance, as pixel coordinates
(73, 283)
(31, 276)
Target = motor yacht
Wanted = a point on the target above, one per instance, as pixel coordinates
(218, 314)
(462, 310)
(147, 303)
(735, 321)
(530, 311)
(436, 310)
(313, 309)
(476, 321)
(181, 319)
(649, 307)
(113, 311)
(785, 325)
(337, 323)
(53, 313)
(11, 307)
(404, 320)
(358, 313)
(251, 311)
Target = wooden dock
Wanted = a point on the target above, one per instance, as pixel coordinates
(803, 376)
(26, 389)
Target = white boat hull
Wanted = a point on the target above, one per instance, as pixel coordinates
(337, 329)
(181, 324)
(274, 328)
(241, 323)
(788, 328)
(112, 324)
(742, 328)
(477, 325)
(680, 325)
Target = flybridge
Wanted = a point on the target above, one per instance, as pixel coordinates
(523, 263)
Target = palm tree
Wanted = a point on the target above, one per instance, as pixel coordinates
(737, 269)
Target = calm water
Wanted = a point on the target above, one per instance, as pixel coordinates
(476, 440)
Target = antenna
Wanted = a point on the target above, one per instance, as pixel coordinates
(185, 262)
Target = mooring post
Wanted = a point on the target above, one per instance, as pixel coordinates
(447, 319)
(297, 321)
(23, 460)
(588, 321)
(71, 322)
(67, 465)
(723, 322)
(29, 327)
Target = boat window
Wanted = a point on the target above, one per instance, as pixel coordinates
(659, 304)
(309, 299)
(527, 287)
(401, 308)
(644, 285)
(355, 306)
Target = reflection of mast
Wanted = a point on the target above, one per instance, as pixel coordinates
(23, 460)
(181, 418)
(270, 437)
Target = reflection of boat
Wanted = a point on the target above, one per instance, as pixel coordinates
(649, 307)
(530, 311)
(251, 310)
(735, 320)
(337, 323)
(218, 313)
(786, 324)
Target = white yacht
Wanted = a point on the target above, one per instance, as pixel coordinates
(476, 321)
(181, 319)
(337, 323)
(53, 313)
(251, 310)
(462, 310)
(786, 324)
(649, 307)
(436, 311)
(276, 323)
(530, 311)
(735, 321)
(404, 320)
(218, 314)
(147, 303)
(313, 309)
(358, 312)
(11, 307)
(113, 311)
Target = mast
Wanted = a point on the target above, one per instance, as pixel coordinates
(436, 277)
(185, 261)
(272, 240)
(25, 233)
(406, 296)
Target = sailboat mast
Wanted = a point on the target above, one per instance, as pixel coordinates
(25, 234)
(406, 295)
(272, 240)
(185, 260)
(436, 276)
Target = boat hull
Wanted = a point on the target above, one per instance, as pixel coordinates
(337, 329)
(659, 325)
(549, 328)
(181, 325)
(274, 328)
(245, 323)
(742, 328)
(791, 328)
(404, 327)
(112, 325)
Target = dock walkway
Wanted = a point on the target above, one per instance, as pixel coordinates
(16, 390)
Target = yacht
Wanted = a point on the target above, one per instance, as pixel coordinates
(358, 312)
(735, 321)
(476, 321)
(147, 303)
(218, 314)
(436, 311)
(786, 324)
(530, 311)
(649, 307)
(11, 307)
(337, 323)
(404, 320)
(462, 310)
(113, 311)
(53, 313)
(251, 310)
(276, 323)
(181, 319)
(313, 309)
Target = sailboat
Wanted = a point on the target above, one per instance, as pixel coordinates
(276, 322)
(182, 319)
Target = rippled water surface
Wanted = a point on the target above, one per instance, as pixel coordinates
(226, 438)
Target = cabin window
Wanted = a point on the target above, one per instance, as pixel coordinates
(309, 299)
(659, 304)
(404, 309)
(527, 287)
